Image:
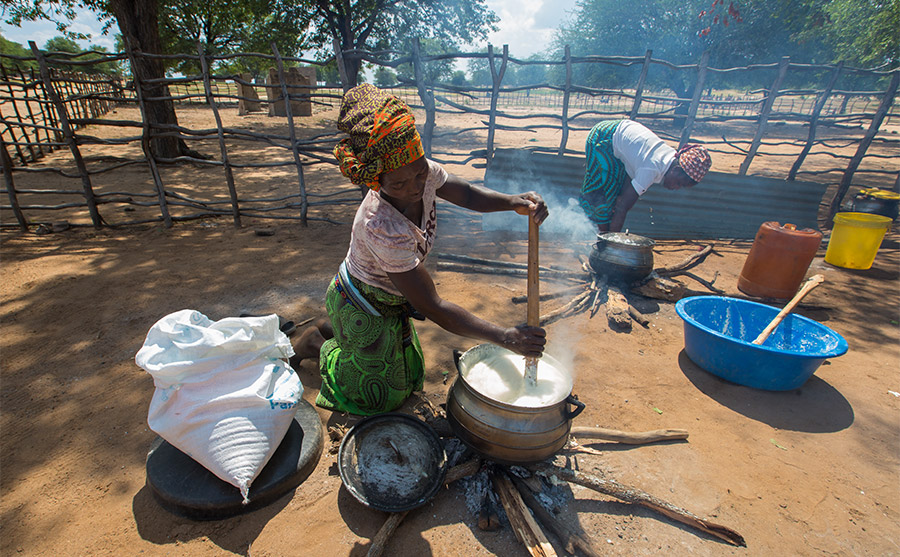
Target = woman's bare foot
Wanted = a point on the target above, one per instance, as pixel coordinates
(311, 340)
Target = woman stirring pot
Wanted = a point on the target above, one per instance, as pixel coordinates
(369, 354)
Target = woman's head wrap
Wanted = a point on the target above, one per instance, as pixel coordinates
(694, 160)
(382, 132)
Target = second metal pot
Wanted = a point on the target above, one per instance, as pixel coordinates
(622, 256)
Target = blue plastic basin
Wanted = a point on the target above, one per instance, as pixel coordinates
(719, 332)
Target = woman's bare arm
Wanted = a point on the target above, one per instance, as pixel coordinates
(626, 200)
(418, 288)
(485, 200)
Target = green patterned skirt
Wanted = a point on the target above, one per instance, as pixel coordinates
(604, 175)
(373, 363)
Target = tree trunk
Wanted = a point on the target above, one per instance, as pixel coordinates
(352, 66)
(676, 83)
(138, 22)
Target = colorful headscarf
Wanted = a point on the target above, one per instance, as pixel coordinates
(382, 132)
(694, 160)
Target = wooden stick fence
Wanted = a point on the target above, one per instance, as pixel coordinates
(45, 112)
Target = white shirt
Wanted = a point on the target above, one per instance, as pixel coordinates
(645, 155)
(384, 241)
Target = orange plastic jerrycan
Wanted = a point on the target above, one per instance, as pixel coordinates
(778, 260)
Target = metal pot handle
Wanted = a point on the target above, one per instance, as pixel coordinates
(579, 406)
(456, 356)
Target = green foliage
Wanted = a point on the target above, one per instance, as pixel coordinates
(329, 74)
(11, 48)
(385, 77)
(458, 79)
(435, 71)
(862, 33)
(735, 34)
(368, 23)
(62, 44)
(229, 26)
(60, 12)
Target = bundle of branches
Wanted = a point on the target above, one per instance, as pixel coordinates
(661, 285)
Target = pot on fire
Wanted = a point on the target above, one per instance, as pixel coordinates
(622, 256)
(510, 433)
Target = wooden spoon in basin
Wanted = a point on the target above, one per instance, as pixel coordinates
(807, 286)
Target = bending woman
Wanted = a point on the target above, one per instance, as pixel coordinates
(620, 151)
(373, 361)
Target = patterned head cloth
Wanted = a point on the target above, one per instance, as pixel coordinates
(694, 160)
(382, 132)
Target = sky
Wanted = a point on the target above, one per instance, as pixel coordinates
(527, 26)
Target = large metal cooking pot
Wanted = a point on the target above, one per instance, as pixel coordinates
(877, 202)
(622, 256)
(503, 432)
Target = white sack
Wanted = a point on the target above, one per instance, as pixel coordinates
(225, 394)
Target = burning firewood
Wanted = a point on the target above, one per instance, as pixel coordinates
(523, 524)
(552, 295)
(617, 310)
(638, 316)
(682, 266)
(633, 495)
(600, 296)
(566, 310)
(571, 538)
(661, 288)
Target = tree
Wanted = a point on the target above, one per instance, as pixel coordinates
(11, 48)
(67, 45)
(734, 33)
(385, 77)
(228, 26)
(434, 71)
(458, 79)
(138, 21)
(861, 32)
(346, 25)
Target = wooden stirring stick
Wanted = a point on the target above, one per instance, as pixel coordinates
(534, 309)
(809, 285)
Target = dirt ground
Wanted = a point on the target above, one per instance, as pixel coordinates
(814, 471)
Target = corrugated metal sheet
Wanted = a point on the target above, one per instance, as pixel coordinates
(721, 206)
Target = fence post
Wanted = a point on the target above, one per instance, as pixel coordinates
(304, 202)
(567, 92)
(426, 96)
(814, 120)
(695, 101)
(7, 164)
(639, 92)
(886, 102)
(229, 176)
(70, 137)
(145, 137)
(764, 114)
(496, 78)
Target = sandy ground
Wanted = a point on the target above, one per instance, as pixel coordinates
(814, 471)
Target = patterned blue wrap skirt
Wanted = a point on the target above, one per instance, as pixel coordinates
(605, 174)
